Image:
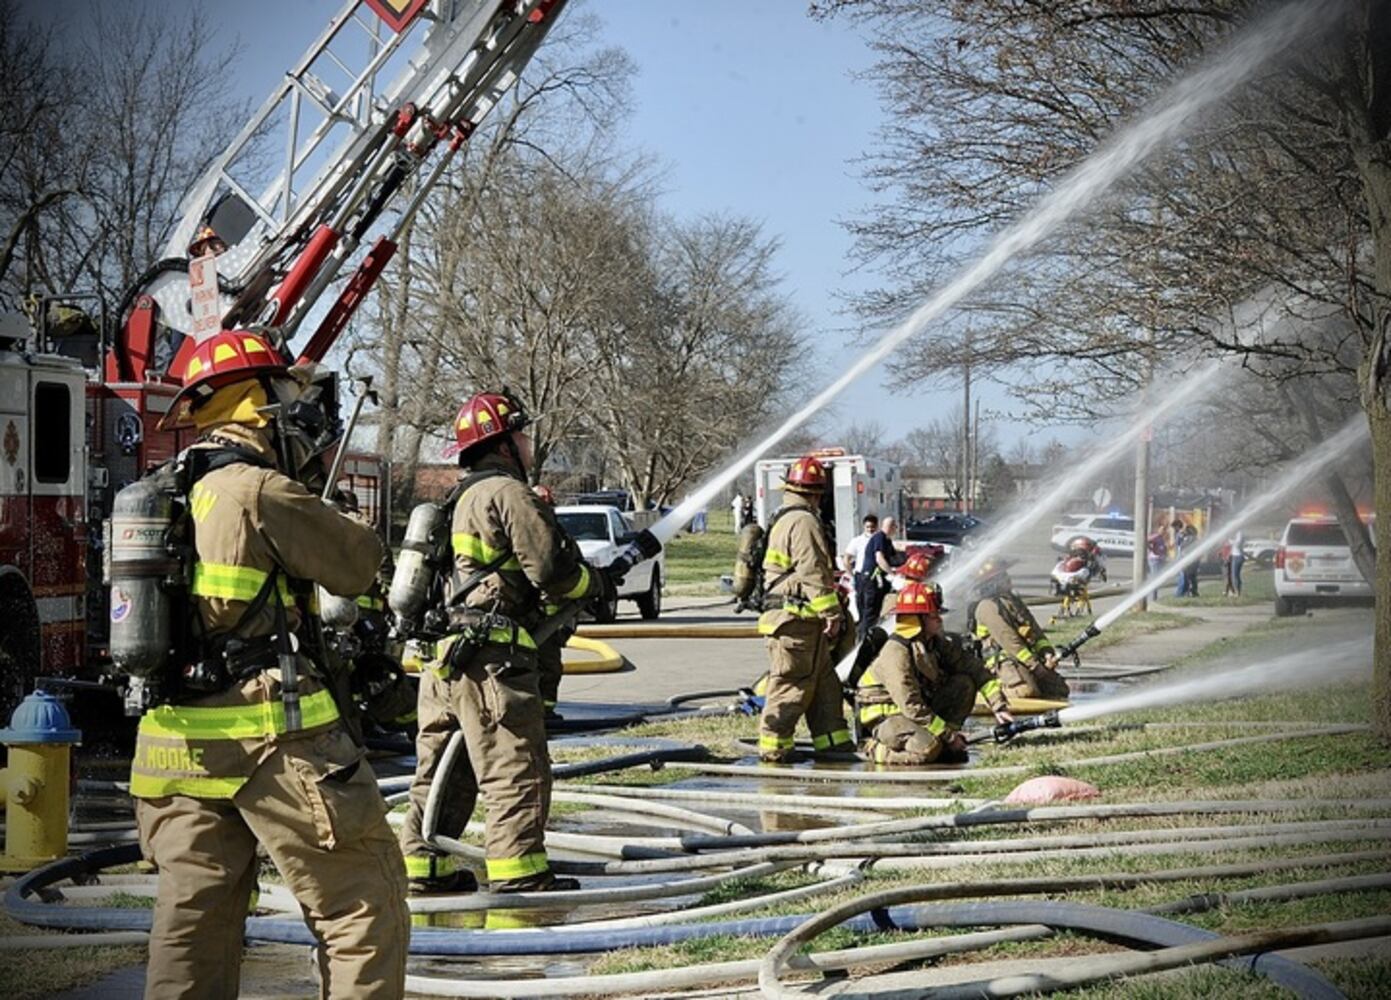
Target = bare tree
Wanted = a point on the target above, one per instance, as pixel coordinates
(1286, 191)
(143, 112)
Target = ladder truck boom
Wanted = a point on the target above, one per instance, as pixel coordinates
(344, 160)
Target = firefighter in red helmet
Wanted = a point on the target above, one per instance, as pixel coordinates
(247, 745)
(914, 697)
(800, 572)
(510, 556)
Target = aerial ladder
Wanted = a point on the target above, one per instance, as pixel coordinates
(348, 159)
(310, 199)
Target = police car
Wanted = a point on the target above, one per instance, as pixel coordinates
(1314, 567)
(1115, 533)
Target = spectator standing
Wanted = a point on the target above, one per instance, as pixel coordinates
(1155, 551)
(736, 507)
(880, 558)
(1238, 545)
(1181, 587)
(853, 560)
(1190, 572)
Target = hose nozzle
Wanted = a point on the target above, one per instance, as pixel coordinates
(1089, 633)
(644, 545)
(1007, 731)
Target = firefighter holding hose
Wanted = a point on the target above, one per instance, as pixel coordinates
(800, 570)
(912, 700)
(244, 743)
(508, 557)
(1016, 647)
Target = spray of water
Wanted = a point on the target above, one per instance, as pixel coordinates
(1344, 661)
(1017, 521)
(1179, 106)
(1307, 465)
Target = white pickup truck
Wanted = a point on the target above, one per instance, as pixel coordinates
(600, 533)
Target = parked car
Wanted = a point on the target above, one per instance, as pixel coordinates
(1115, 533)
(945, 528)
(600, 531)
(1261, 551)
(1314, 567)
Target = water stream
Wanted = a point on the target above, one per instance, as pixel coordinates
(1344, 661)
(1178, 107)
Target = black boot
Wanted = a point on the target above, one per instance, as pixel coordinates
(461, 880)
(540, 882)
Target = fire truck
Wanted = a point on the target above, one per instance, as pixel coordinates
(365, 124)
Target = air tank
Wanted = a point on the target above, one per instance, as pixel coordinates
(415, 566)
(140, 564)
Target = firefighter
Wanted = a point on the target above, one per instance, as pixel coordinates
(1016, 648)
(919, 567)
(250, 746)
(800, 571)
(510, 556)
(914, 697)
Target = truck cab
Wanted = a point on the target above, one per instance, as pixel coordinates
(43, 514)
(601, 531)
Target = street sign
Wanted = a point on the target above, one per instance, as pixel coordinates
(203, 298)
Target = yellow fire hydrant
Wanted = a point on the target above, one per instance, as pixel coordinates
(35, 784)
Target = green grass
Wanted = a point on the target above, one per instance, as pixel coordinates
(695, 563)
(1257, 587)
(1121, 630)
(41, 974)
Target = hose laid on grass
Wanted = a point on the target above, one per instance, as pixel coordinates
(947, 774)
(427, 941)
(52, 942)
(687, 817)
(1203, 902)
(1112, 923)
(717, 796)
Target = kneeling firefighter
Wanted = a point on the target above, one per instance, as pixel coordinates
(242, 742)
(801, 631)
(506, 555)
(914, 697)
(1016, 647)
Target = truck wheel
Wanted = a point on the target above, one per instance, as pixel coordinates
(1284, 607)
(20, 643)
(650, 603)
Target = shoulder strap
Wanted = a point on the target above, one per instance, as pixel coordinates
(768, 537)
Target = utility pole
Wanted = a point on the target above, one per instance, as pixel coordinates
(974, 481)
(965, 503)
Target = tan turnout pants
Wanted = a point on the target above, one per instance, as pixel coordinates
(314, 805)
(496, 702)
(898, 740)
(1032, 680)
(801, 681)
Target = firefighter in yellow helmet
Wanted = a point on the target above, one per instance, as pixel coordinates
(914, 697)
(1015, 646)
(248, 746)
(510, 557)
(800, 572)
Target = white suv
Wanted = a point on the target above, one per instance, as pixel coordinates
(1314, 566)
(1115, 533)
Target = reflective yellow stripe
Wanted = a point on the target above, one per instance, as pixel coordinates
(371, 603)
(234, 722)
(580, 586)
(837, 737)
(1024, 655)
(502, 869)
(778, 559)
(767, 742)
(766, 624)
(473, 547)
(937, 726)
(800, 610)
(982, 632)
(868, 713)
(824, 602)
(990, 690)
(430, 865)
(155, 786)
(233, 583)
(867, 678)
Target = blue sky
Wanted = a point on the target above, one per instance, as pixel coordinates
(751, 107)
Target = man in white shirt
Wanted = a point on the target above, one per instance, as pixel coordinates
(854, 555)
